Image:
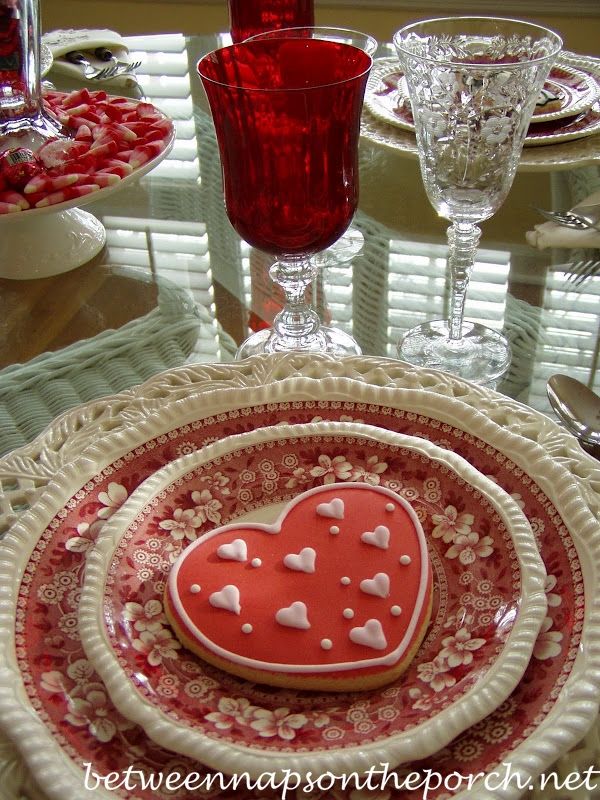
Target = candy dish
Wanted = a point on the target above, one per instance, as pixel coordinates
(257, 471)
(91, 458)
(76, 236)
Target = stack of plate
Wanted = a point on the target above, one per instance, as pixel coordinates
(571, 132)
(568, 107)
(99, 684)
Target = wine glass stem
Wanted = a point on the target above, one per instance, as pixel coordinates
(297, 321)
(463, 238)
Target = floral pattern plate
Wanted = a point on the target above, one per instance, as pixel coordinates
(387, 99)
(52, 702)
(489, 604)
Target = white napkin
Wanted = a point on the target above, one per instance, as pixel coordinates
(86, 41)
(551, 234)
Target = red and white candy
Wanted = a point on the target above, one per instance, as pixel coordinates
(110, 138)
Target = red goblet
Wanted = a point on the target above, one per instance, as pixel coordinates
(249, 17)
(287, 119)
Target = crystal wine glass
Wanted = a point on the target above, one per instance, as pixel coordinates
(351, 242)
(287, 120)
(250, 17)
(473, 83)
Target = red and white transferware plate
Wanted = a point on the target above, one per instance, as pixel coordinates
(489, 603)
(53, 705)
(577, 89)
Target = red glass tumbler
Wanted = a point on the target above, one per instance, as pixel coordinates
(287, 120)
(249, 17)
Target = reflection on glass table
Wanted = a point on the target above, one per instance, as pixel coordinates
(172, 225)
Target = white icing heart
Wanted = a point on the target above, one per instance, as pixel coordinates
(294, 616)
(371, 635)
(333, 510)
(304, 561)
(379, 585)
(228, 598)
(380, 537)
(234, 551)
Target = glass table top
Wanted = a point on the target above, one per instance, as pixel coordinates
(175, 284)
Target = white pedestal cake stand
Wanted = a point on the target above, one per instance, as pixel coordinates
(42, 242)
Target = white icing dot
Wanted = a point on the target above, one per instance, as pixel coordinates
(405, 560)
(345, 581)
(334, 529)
(395, 611)
(194, 588)
(389, 506)
(256, 562)
(326, 644)
(348, 613)
(247, 628)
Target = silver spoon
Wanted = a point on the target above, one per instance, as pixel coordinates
(578, 407)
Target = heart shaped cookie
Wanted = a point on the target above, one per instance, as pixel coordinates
(306, 603)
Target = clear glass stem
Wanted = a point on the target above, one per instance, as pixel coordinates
(297, 322)
(21, 106)
(463, 238)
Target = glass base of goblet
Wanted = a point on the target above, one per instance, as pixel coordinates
(482, 355)
(29, 131)
(347, 247)
(332, 341)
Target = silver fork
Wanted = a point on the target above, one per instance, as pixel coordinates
(581, 217)
(104, 54)
(580, 271)
(125, 67)
(89, 71)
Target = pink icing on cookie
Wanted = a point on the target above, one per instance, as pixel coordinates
(307, 583)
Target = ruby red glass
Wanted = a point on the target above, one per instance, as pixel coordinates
(287, 120)
(249, 17)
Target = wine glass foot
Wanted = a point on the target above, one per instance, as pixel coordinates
(482, 355)
(347, 247)
(326, 340)
(29, 132)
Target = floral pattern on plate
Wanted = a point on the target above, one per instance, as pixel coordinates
(387, 99)
(477, 597)
(72, 702)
